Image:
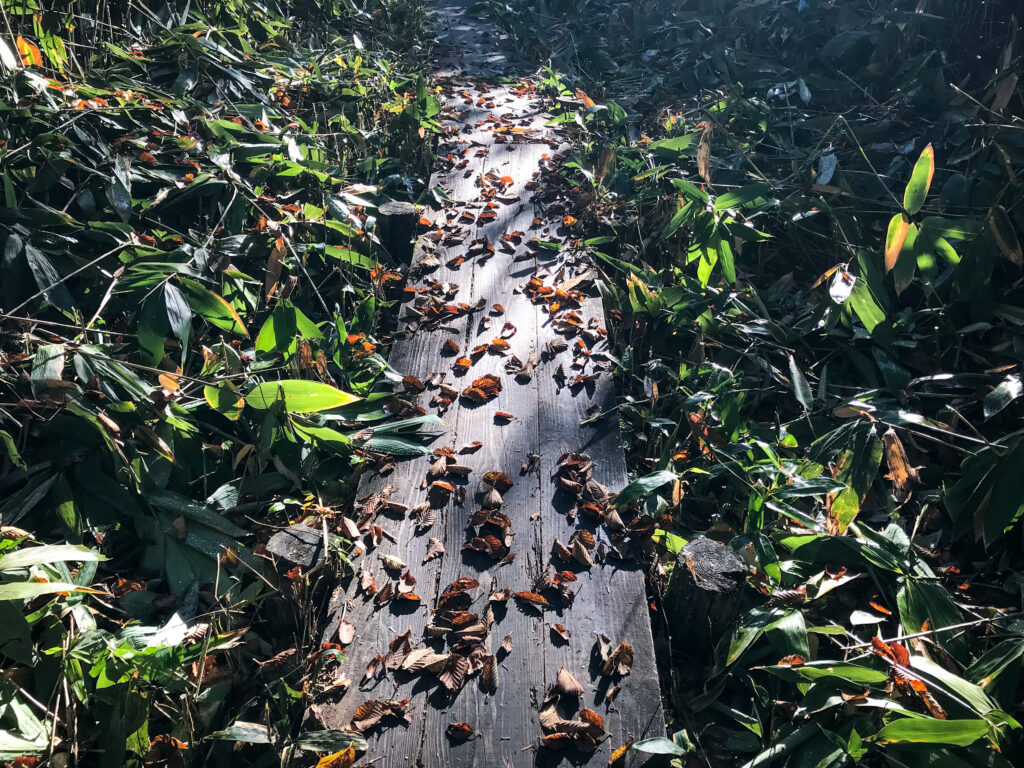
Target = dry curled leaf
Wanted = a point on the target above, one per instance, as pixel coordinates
(459, 731)
(370, 713)
(424, 659)
(566, 684)
(498, 480)
(489, 674)
(453, 674)
(392, 563)
(435, 548)
(530, 598)
(346, 632)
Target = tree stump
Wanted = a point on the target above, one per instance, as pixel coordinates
(396, 224)
(703, 594)
(297, 545)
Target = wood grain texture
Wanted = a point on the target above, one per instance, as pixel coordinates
(547, 422)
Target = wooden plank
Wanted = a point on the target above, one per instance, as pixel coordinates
(420, 355)
(612, 600)
(503, 724)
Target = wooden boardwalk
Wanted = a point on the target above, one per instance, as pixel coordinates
(492, 167)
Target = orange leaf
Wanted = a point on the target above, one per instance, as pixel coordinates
(899, 226)
(30, 54)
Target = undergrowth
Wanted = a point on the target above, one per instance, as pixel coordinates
(192, 299)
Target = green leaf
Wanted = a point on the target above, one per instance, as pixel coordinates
(960, 229)
(48, 280)
(642, 487)
(865, 306)
(48, 553)
(396, 446)
(1004, 234)
(801, 388)
(213, 308)
(938, 677)
(1004, 394)
(958, 733)
(27, 590)
(659, 745)
(120, 199)
(225, 400)
(817, 670)
(671, 148)
(176, 504)
(920, 601)
(179, 313)
(248, 733)
(329, 741)
(858, 471)
(1005, 658)
(920, 181)
(10, 450)
(64, 504)
(739, 197)
(299, 396)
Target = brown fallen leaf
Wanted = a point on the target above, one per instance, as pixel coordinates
(435, 548)
(530, 598)
(620, 661)
(374, 669)
(901, 472)
(424, 659)
(346, 632)
(498, 480)
(492, 499)
(562, 634)
(704, 152)
(556, 741)
(566, 684)
(459, 731)
(453, 675)
(593, 719)
(392, 563)
(398, 651)
(489, 674)
(370, 713)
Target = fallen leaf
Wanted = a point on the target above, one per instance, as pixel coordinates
(566, 684)
(459, 731)
(435, 548)
(619, 754)
(343, 759)
(346, 632)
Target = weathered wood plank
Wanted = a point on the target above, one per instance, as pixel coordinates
(503, 720)
(612, 600)
(421, 355)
